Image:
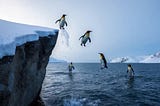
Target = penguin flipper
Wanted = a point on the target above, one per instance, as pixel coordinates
(132, 70)
(81, 37)
(89, 39)
(66, 23)
(57, 21)
(105, 62)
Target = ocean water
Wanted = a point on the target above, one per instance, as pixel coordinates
(87, 85)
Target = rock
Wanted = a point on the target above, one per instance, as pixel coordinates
(22, 75)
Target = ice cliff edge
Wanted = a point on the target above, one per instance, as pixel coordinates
(22, 74)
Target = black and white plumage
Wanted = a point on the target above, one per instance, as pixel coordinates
(85, 38)
(130, 70)
(103, 61)
(62, 22)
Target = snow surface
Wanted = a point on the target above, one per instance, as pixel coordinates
(15, 34)
(155, 58)
(152, 59)
(127, 59)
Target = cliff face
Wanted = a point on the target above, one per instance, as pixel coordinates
(22, 75)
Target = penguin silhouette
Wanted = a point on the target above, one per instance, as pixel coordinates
(62, 21)
(103, 61)
(85, 38)
(130, 71)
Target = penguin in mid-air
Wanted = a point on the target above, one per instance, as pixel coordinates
(62, 21)
(85, 38)
(103, 61)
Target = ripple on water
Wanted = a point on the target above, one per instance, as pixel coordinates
(89, 86)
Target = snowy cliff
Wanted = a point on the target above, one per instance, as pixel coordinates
(24, 55)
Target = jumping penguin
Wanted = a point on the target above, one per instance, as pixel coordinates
(85, 38)
(62, 21)
(103, 61)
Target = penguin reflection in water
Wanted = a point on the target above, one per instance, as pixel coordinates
(85, 38)
(103, 61)
(62, 21)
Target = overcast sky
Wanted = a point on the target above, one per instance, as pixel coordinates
(120, 27)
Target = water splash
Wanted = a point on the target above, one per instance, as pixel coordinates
(73, 101)
(64, 37)
(62, 45)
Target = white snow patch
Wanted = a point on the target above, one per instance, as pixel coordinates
(152, 59)
(155, 58)
(14, 34)
(127, 59)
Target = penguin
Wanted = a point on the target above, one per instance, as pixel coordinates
(103, 61)
(71, 67)
(85, 38)
(130, 71)
(62, 21)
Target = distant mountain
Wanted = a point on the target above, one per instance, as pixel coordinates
(155, 58)
(127, 59)
(54, 60)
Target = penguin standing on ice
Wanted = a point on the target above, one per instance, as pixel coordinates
(62, 21)
(103, 61)
(85, 38)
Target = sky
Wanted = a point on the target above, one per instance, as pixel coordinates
(120, 27)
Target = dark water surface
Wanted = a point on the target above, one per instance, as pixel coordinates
(87, 85)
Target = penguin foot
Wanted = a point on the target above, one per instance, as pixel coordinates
(61, 27)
